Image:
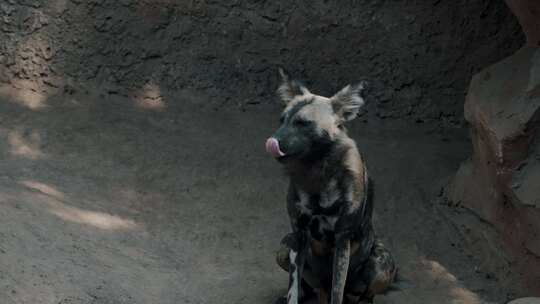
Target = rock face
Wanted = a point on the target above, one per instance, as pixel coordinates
(501, 182)
(528, 13)
(526, 301)
(418, 55)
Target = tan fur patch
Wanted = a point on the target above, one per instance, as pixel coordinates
(380, 283)
(354, 163)
(296, 100)
(320, 111)
(323, 296)
(319, 248)
(354, 247)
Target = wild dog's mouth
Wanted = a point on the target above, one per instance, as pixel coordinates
(272, 147)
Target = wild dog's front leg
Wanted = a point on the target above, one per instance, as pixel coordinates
(340, 267)
(297, 258)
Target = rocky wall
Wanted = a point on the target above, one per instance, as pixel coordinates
(418, 55)
(500, 182)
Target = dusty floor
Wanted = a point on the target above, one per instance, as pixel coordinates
(106, 200)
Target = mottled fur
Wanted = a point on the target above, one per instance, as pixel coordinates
(332, 247)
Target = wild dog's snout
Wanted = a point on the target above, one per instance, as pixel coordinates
(272, 147)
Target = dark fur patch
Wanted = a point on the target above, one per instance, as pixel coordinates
(296, 108)
(315, 230)
(322, 145)
(303, 221)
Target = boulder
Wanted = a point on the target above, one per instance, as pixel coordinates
(501, 181)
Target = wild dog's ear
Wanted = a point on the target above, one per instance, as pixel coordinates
(290, 88)
(347, 102)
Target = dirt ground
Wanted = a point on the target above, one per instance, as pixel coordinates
(106, 199)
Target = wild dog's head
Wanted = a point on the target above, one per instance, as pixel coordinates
(310, 124)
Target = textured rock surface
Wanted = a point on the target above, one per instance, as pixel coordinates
(526, 301)
(501, 181)
(419, 55)
(528, 13)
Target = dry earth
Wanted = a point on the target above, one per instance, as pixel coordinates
(106, 199)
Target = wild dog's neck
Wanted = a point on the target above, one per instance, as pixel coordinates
(312, 176)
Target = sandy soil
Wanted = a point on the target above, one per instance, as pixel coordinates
(106, 199)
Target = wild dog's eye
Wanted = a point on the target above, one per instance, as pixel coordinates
(301, 122)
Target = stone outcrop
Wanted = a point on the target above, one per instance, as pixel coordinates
(526, 301)
(501, 181)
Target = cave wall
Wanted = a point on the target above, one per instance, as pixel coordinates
(528, 14)
(418, 55)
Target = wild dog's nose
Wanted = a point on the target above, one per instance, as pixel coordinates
(272, 147)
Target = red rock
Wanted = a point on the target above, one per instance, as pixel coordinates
(501, 181)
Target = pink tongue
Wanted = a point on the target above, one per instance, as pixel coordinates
(272, 147)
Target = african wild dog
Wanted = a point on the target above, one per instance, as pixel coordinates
(332, 249)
